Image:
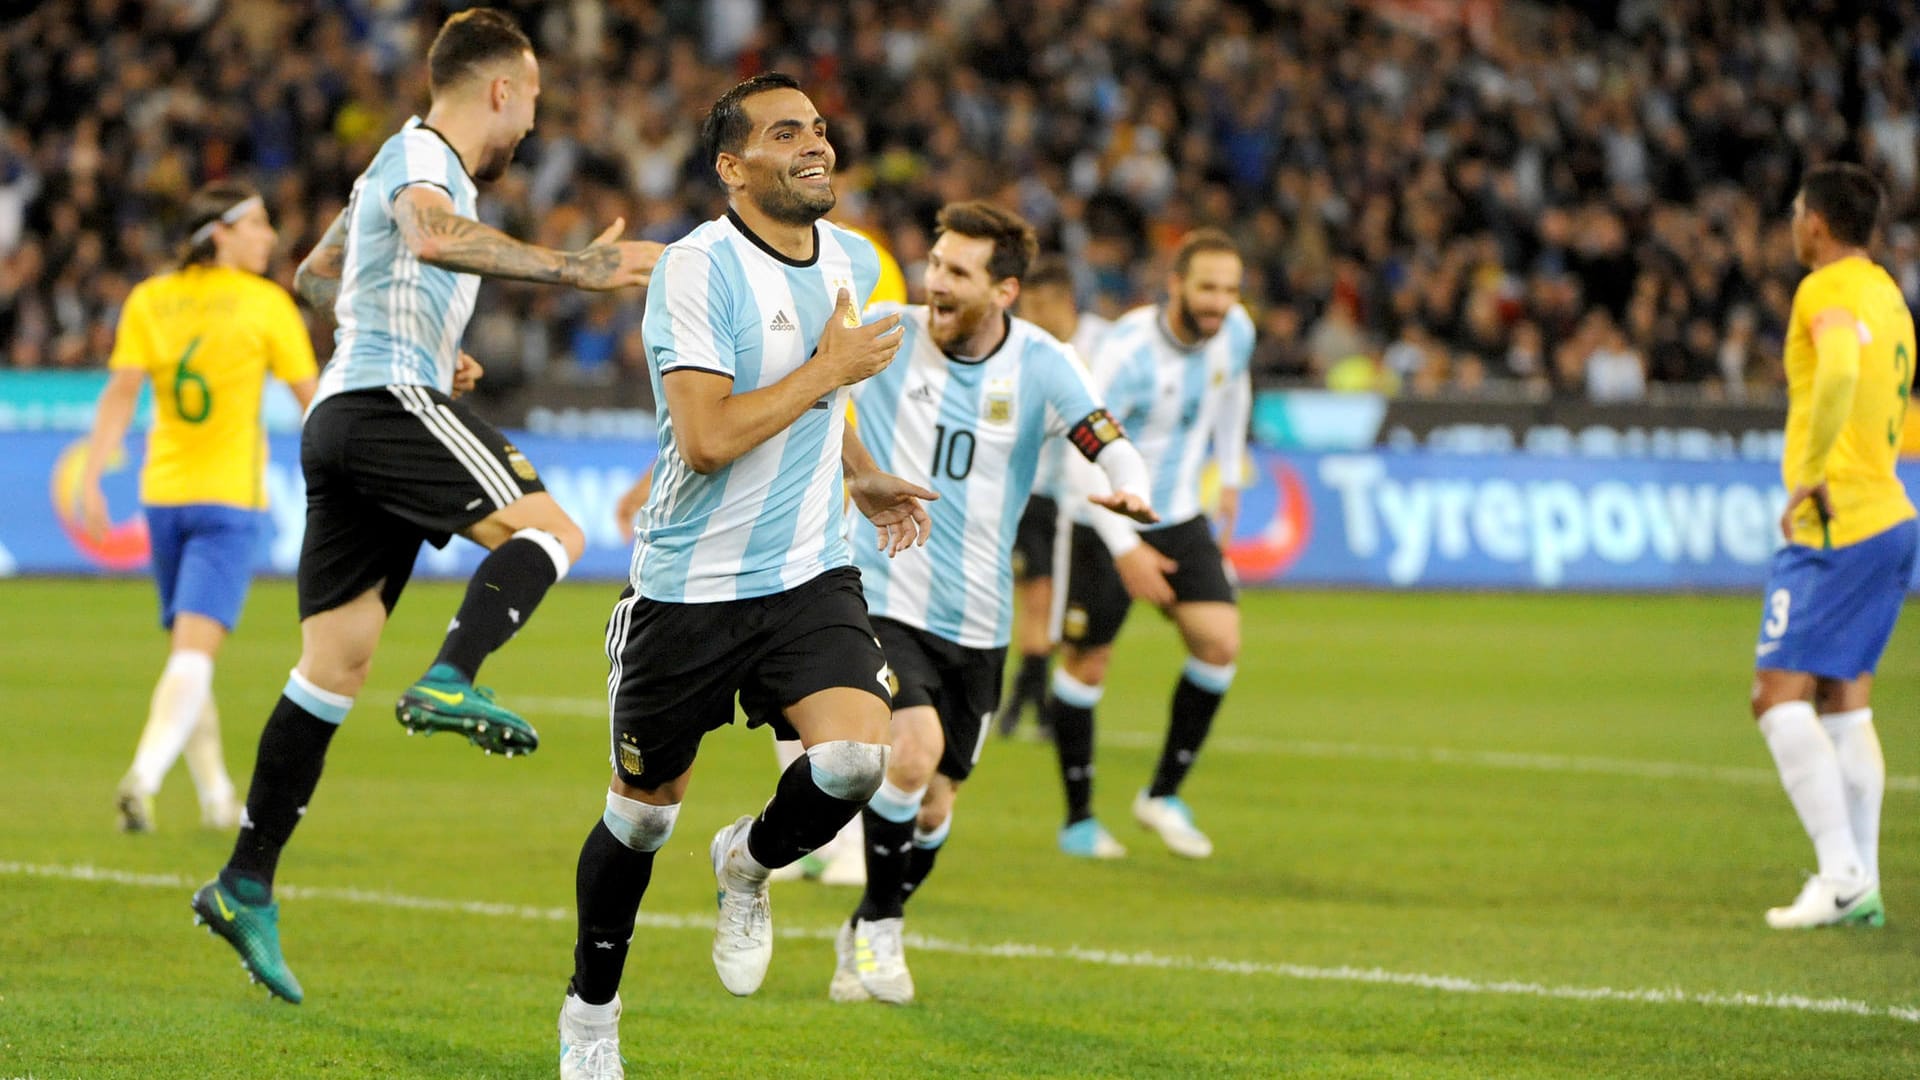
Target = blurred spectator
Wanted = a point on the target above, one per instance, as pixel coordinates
(1469, 195)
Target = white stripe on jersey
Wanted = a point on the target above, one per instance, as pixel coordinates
(466, 448)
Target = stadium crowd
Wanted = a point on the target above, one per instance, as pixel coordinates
(1558, 206)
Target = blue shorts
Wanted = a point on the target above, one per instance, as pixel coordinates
(1830, 612)
(203, 559)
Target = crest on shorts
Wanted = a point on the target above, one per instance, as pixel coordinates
(630, 761)
(522, 468)
(1075, 626)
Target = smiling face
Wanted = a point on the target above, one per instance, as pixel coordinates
(247, 244)
(1202, 297)
(786, 165)
(961, 293)
(513, 91)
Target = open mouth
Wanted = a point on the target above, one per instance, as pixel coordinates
(811, 173)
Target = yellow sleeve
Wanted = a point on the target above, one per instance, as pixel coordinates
(289, 346)
(133, 338)
(892, 286)
(1836, 375)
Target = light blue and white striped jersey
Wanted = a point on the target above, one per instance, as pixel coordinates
(770, 520)
(971, 430)
(399, 320)
(1177, 402)
(1051, 477)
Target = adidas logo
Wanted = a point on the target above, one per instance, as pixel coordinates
(781, 322)
(923, 392)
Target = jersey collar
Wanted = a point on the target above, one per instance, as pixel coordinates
(424, 126)
(768, 248)
(1006, 325)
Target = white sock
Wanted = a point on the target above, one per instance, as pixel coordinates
(206, 761)
(1810, 771)
(609, 1013)
(184, 687)
(1864, 771)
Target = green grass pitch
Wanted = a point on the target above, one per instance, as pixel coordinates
(1458, 836)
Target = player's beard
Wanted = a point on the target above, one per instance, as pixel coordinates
(964, 323)
(791, 205)
(494, 162)
(1189, 325)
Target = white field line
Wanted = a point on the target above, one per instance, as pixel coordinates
(1429, 755)
(1447, 984)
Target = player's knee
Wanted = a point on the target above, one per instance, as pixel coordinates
(910, 763)
(1088, 666)
(848, 770)
(572, 539)
(933, 821)
(1220, 646)
(1213, 678)
(639, 826)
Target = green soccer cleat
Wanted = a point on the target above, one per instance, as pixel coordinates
(254, 932)
(443, 701)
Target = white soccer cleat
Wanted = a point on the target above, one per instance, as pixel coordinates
(1826, 902)
(880, 960)
(134, 809)
(589, 1050)
(220, 814)
(1169, 816)
(743, 932)
(848, 864)
(846, 986)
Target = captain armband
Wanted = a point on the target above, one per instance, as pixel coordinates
(1091, 435)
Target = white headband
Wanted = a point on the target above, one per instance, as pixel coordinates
(234, 213)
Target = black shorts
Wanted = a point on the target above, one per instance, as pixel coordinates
(962, 685)
(677, 667)
(386, 469)
(1097, 602)
(1033, 540)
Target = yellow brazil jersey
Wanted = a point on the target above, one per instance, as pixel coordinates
(207, 337)
(1867, 497)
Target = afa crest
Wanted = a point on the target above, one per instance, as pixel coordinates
(1075, 624)
(999, 402)
(630, 760)
(522, 468)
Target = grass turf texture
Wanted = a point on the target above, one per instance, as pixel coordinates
(1343, 841)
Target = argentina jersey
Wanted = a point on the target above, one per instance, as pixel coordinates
(770, 520)
(972, 430)
(1051, 477)
(1177, 403)
(399, 320)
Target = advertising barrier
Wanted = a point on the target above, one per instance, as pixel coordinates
(1374, 518)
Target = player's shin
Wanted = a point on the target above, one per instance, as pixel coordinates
(1810, 771)
(293, 748)
(183, 690)
(888, 819)
(616, 864)
(1196, 699)
(1863, 772)
(1069, 711)
(507, 585)
(926, 848)
(817, 794)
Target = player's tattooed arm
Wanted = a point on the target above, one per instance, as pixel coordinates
(439, 237)
(317, 281)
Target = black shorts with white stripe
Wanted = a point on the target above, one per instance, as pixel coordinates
(389, 468)
(961, 684)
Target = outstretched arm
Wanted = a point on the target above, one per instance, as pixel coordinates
(440, 237)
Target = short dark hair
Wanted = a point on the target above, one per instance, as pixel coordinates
(1199, 241)
(1014, 245)
(206, 206)
(726, 127)
(469, 40)
(1847, 196)
(1049, 269)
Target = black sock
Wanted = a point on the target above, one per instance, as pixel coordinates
(1030, 685)
(1073, 738)
(799, 817)
(1193, 709)
(889, 845)
(286, 769)
(607, 888)
(919, 865)
(505, 588)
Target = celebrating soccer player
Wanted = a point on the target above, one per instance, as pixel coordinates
(742, 582)
(391, 460)
(1176, 377)
(967, 411)
(1835, 589)
(207, 334)
(1047, 301)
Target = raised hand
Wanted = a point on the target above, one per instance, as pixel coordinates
(612, 263)
(852, 351)
(1127, 504)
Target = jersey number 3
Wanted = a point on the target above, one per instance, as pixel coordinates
(1903, 366)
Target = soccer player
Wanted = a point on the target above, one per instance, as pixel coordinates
(1835, 589)
(392, 460)
(742, 582)
(207, 334)
(1047, 301)
(967, 411)
(1175, 376)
